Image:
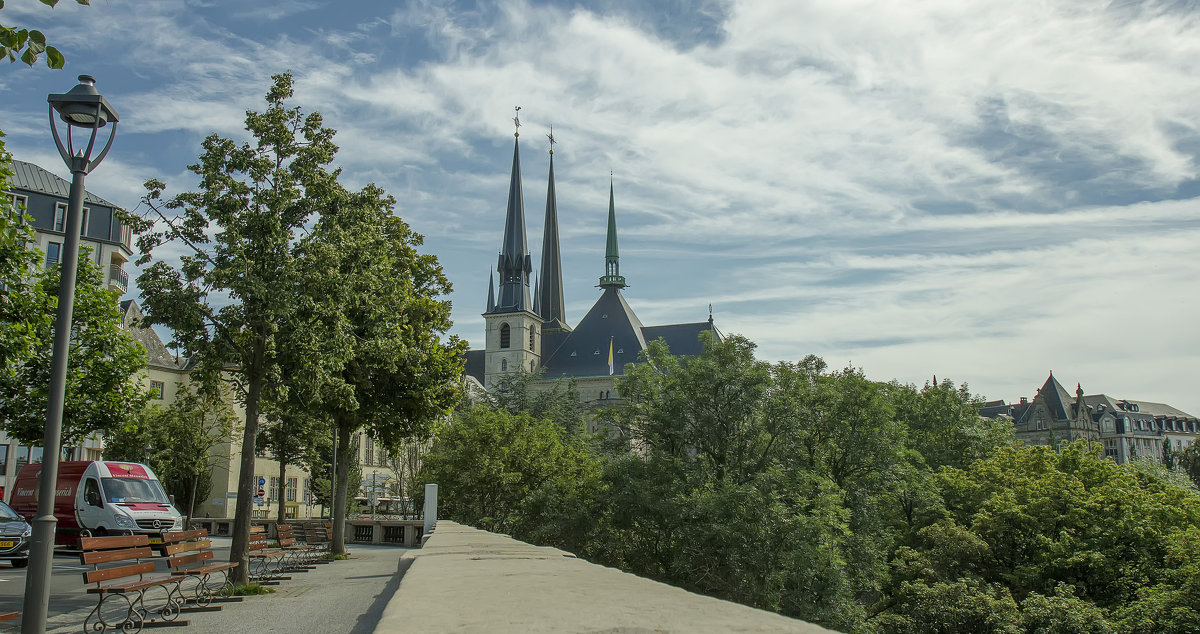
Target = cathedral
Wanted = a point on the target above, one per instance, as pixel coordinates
(527, 328)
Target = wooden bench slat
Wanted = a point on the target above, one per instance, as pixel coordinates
(9, 616)
(116, 572)
(175, 549)
(206, 568)
(119, 541)
(180, 536)
(134, 586)
(104, 556)
(192, 558)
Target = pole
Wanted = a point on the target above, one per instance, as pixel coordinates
(333, 475)
(41, 546)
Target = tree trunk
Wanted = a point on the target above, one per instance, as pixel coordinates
(282, 490)
(192, 502)
(338, 546)
(239, 549)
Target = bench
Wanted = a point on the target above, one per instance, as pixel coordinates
(189, 556)
(128, 582)
(302, 555)
(319, 537)
(9, 616)
(267, 564)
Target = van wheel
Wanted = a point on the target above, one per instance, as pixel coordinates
(100, 532)
(20, 563)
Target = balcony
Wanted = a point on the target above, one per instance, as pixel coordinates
(118, 278)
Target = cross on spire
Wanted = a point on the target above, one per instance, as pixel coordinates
(552, 141)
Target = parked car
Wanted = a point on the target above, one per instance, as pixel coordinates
(101, 497)
(14, 537)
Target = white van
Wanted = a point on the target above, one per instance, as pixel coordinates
(102, 497)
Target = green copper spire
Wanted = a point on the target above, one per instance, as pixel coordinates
(612, 260)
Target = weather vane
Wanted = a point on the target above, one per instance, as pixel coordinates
(517, 122)
(552, 141)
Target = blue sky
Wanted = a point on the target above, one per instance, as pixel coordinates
(984, 190)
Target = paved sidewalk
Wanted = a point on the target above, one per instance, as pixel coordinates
(340, 597)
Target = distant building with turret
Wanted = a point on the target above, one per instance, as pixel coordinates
(527, 329)
(1128, 429)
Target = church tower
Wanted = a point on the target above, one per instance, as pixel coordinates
(513, 339)
(612, 261)
(550, 303)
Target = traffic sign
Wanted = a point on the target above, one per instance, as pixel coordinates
(261, 482)
(258, 501)
(261, 492)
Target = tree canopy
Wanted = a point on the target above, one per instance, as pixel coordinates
(859, 505)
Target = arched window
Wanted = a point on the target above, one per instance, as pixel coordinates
(504, 363)
(531, 337)
(601, 397)
(607, 394)
(505, 336)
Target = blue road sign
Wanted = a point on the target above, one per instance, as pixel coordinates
(261, 481)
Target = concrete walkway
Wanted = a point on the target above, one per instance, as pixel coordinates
(470, 581)
(340, 597)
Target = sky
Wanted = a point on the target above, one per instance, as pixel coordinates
(984, 191)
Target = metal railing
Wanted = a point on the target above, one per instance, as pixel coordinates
(118, 277)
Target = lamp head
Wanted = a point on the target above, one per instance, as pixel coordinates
(83, 106)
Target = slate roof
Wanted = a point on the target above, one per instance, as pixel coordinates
(474, 364)
(157, 354)
(1058, 400)
(583, 352)
(30, 177)
(1144, 408)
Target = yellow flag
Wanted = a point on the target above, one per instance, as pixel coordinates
(610, 359)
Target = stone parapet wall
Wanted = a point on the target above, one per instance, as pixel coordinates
(467, 580)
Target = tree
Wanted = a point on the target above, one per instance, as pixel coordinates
(291, 434)
(101, 390)
(28, 44)
(488, 463)
(372, 319)
(177, 441)
(21, 316)
(237, 231)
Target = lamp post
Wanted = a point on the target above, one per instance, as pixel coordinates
(85, 109)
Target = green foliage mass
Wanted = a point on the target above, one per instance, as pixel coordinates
(862, 506)
(104, 358)
(28, 44)
(177, 441)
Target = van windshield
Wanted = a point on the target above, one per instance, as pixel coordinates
(134, 490)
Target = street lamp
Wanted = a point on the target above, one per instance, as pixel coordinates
(85, 109)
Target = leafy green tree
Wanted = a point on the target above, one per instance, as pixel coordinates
(29, 44)
(488, 462)
(101, 390)
(223, 301)
(177, 441)
(369, 327)
(21, 316)
(290, 434)
(520, 392)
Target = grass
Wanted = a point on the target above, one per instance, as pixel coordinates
(341, 557)
(246, 590)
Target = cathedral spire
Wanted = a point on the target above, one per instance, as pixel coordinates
(612, 265)
(550, 302)
(514, 264)
(491, 305)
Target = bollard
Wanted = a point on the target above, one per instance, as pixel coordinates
(430, 507)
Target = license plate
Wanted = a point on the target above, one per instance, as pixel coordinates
(153, 540)
(7, 543)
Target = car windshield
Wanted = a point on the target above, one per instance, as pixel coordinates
(134, 490)
(6, 513)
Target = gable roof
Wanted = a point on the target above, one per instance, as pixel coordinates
(157, 354)
(1058, 400)
(32, 178)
